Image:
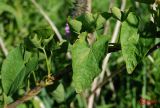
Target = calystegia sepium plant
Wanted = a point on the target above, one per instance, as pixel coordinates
(79, 53)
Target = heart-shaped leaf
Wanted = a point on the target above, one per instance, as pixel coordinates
(86, 61)
(134, 48)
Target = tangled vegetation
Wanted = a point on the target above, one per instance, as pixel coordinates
(79, 53)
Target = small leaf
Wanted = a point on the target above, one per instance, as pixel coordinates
(13, 71)
(86, 61)
(41, 37)
(100, 21)
(46, 35)
(74, 25)
(88, 22)
(106, 15)
(32, 61)
(47, 40)
(116, 12)
(36, 41)
(58, 94)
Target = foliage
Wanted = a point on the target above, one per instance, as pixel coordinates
(42, 70)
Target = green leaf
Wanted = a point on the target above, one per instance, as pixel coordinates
(129, 42)
(59, 93)
(86, 61)
(40, 37)
(18, 80)
(116, 12)
(35, 40)
(45, 34)
(74, 25)
(13, 71)
(88, 22)
(133, 47)
(7, 8)
(106, 15)
(31, 61)
(100, 21)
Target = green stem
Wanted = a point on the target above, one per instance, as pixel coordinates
(28, 85)
(34, 77)
(47, 62)
(144, 84)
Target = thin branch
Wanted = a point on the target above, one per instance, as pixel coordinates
(26, 97)
(50, 22)
(3, 48)
(35, 91)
